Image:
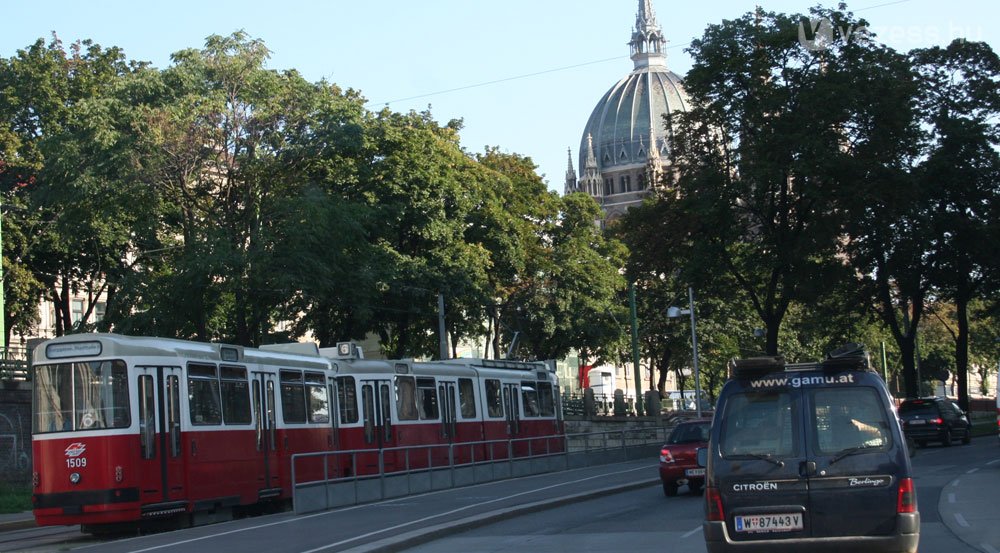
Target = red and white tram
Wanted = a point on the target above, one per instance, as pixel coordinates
(131, 428)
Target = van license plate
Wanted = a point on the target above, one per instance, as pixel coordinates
(918, 421)
(694, 472)
(784, 522)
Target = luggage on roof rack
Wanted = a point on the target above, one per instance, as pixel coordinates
(847, 357)
(756, 366)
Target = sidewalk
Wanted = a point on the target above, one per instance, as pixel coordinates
(968, 507)
(16, 521)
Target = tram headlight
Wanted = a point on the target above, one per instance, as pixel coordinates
(36, 480)
(119, 474)
(74, 478)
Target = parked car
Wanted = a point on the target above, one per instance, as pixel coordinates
(678, 457)
(808, 457)
(934, 419)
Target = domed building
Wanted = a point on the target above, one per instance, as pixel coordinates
(625, 143)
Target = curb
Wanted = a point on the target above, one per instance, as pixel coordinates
(21, 524)
(414, 538)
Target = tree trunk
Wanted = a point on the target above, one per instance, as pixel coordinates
(962, 352)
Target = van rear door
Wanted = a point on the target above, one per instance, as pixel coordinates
(856, 464)
(760, 462)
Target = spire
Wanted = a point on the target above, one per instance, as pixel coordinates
(590, 178)
(571, 184)
(647, 44)
(591, 158)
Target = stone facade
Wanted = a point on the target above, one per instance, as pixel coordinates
(15, 431)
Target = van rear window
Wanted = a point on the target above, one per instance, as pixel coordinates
(846, 418)
(758, 423)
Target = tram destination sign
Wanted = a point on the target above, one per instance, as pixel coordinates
(72, 349)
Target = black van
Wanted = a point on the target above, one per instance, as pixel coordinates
(808, 457)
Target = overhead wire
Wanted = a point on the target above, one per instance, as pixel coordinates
(562, 68)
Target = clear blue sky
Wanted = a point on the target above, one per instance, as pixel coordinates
(547, 62)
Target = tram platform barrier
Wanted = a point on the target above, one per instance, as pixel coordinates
(334, 490)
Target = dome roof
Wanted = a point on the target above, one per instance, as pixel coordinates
(628, 120)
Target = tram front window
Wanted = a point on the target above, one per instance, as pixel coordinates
(80, 396)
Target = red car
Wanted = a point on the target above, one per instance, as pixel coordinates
(678, 457)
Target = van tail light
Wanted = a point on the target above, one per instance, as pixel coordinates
(907, 502)
(665, 456)
(713, 505)
(936, 421)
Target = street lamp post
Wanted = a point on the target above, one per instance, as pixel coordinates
(674, 312)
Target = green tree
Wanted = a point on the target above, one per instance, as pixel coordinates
(961, 97)
(63, 149)
(511, 223)
(573, 296)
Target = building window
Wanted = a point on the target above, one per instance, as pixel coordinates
(626, 181)
(76, 311)
(641, 181)
(609, 187)
(100, 309)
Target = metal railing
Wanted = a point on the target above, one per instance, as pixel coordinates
(361, 475)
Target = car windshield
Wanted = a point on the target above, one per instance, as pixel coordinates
(80, 396)
(689, 433)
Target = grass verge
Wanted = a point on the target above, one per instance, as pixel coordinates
(14, 497)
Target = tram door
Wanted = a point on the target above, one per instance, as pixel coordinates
(376, 410)
(161, 459)
(446, 391)
(449, 425)
(263, 397)
(512, 411)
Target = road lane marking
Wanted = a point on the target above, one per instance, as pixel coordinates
(368, 506)
(993, 462)
(988, 548)
(961, 520)
(951, 498)
(955, 483)
(393, 529)
(691, 533)
(972, 470)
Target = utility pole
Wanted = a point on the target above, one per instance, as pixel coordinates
(442, 334)
(635, 349)
(3, 308)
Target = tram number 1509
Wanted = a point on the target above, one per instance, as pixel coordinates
(76, 462)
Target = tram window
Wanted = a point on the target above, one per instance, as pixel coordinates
(293, 399)
(235, 395)
(467, 398)
(546, 399)
(147, 417)
(368, 402)
(406, 399)
(97, 389)
(203, 394)
(428, 399)
(529, 398)
(317, 401)
(347, 398)
(271, 417)
(174, 415)
(494, 404)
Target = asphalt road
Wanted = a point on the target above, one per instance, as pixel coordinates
(608, 508)
(955, 485)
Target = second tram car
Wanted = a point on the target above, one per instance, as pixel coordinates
(131, 428)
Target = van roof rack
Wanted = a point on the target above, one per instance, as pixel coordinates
(849, 356)
(755, 366)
